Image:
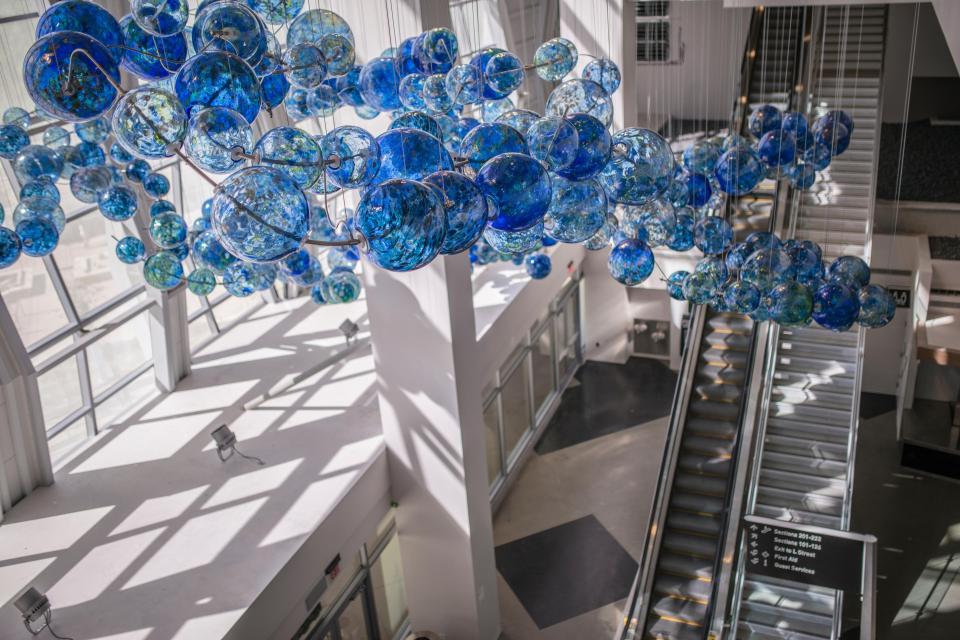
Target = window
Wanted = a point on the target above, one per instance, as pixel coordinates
(653, 30)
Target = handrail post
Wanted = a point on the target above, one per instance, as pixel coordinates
(868, 610)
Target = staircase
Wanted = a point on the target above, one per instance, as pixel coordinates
(805, 465)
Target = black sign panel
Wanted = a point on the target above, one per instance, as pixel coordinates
(901, 297)
(788, 553)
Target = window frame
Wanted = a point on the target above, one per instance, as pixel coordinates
(654, 21)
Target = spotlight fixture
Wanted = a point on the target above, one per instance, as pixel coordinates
(35, 607)
(226, 441)
(349, 329)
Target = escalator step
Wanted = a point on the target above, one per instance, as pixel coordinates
(756, 631)
(706, 446)
(696, 503)
(666, 584)
(685, 566)
(701, 524)
(688, 611)
(669, 629)
(785, 619)
(704, 485)
(691, 545)
(698, 463)
(717, 392)
(727, 411)
(795, 597)
(711, 428)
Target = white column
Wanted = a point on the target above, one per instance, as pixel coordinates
(424, 343)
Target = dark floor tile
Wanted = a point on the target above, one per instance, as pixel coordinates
(566, 571)
(610, 397)
(875, 404)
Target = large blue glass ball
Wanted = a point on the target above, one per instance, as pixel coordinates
(87, 18)
(488, 140)
(380, 85)
(298, 106)
(218, 79)
(339, 53)
(713, 266)
(130, 250)
(118, 203)
(410, 91)
(630, 262)
(210, 253)
(519, 188)
(712, 235)
(739, 171)
(464, 84)
(163, 271)
(274, 89)
(818, 156)
(404, 224)
(168, 230)
(438, 47)
(10, 247)
(553, 141)
(831, 130)
(410, 154)
(763, 119)
(465, 208)
(418, 120)
(201, 282)
(276, 11)
(515, 242)
(17, 116)
(519, 119)
(38, 236)
(348, 87)
(537, 265)
(640, 168)
(699, 190)
(578, 208)
(701, 157)
(340, 287)
(212, 136)
(835, 306)
(230, 27)
(801, 176)
(741, 296)
(87, 92)
(240, 279)
(160, 17)
(38, 206)
(777, 148)
(36, 162)
(604, 72)
(353, 156)
(555, 58)
(296, 263)
(93, 131)
(312, 26)
(490, 110)
(658, 221)
(849, 270)
(323, 100)
(675, 284)
(150, 122)
(795, 123)
(503, 73)
(43, 187)
(593, 148)
(877, 306)
(682, 237)
(260, 214)
(85, 154)
(12, 140)
(580, 96)
(150, 57)
(700, 287)
(766, 268)
(156, 185)
(806, 266)
(435, 96)
(790, 304)
(293, 152)
(306, 65)
(88, 183)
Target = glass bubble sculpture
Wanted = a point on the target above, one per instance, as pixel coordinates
(217, 138)
(489, 140)
(764, 119)
(640, 168)
(777, 148)
(593, 149)
(410, 153)
(465, 208)
(306, 65)
(877, 306)
(404, 224)
(230, 27)
(604, 72)
(84, 17)
(553, 141)
(739, 171)
(519, 188)
(352, 156)
(150, 57)
(218, 79)
(555, 58)
(741, 296)
(379, 84)
(160, 17)
(700, 287)
(630, 262)
(766, 268)
(150, 122)
(537, 265)
(835, 306)
(130, 250)
(790, 304)
(851, 271)
(580, 96)
(293, 152)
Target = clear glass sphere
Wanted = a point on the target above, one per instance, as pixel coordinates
(231, 27)
(418, 120)
(515, 242)
(410, 91)
(553, 141)
(293, 152)
(555, 58)
(353, 156)
(340, 287)
(578, 209)
(640, 168)
(306, 65)
(88, 183)
(766, 268)
(741, 296)
(877, 306)
(150, 57)
(150, 122)
(212, 136)
(312, 26)
(464, 84)
(36, 162)
(503, 73)
(38, 206)
(604, 72)
(580, 96)
(488, 140)
(339, 52)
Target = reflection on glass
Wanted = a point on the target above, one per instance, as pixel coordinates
(541, 357)
(60, 391)
(568, 333)
(515, 399)
(128, 399)
(66, 442)
(491, 428)
(351, 622)
(119, 352)
(390, 599)
(32, 300)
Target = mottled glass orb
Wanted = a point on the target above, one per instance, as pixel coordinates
(38, 236)
(312, 26)
(630, 262)
(201, 282)
(380, 85)
(276, 11)
(593, 148)
(553, 141)
(682, 237)
(418, 120)
(150, 122)
(515, 242)
(12, 140)
(675, 284)
(438, 46)
(343, 258)
(323, 101)
(219, 79)
(519, 119)
(464, 84)
(490, 110)
(17, 116)
(85, 154)
(410, 154)
(849, 270)
(296, 263)
(292, 151)
(298, 106)
(763, 119)
(555, 58)
(274, 89)
(805, 267)
(164, 206)
(38, 206)
(739, 171)
(801, 176)
(348, 87)
(405, 58)
(85, 17)
(580, 96)
(701, 157)
(519, 188)
(601, 239)
(150, 57)
(160, 17)
(404, 224)
(340, 287)
(208, 250)
(777, 148)
(832, 132)
(353, 156)
(230, 27)
(741, 296)
(316, 293)
(94, 131)
(118, 203)
(762, 240)
(130, 250)
(537, 265)
(699, 190)
(817, 156)
(795, 123)
(240, 279)
(835, 306)
(488, 140)
(700, 287)
(213, 134)
(604, 72)
(10, 247)
(120, 155)
(56, 137)
(86, 93)
(137, 170)
(713, 266)
(163, 271)
(88, 183)
(36, 162)
(410, 91)
(156, 185)
(339, 53)
(712, 235)
(435, 96)
(42, 187)
(658, 221)
(465, 209)
(503, 73)
(790, 304)
(766, 268)
(260, 214)
(578, 208)
(877, 306)
(306, 66)
(640, 168)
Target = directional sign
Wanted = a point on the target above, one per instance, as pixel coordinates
(796, 553)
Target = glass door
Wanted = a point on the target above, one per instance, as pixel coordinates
(353, 622)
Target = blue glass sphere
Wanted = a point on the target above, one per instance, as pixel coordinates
(137, 170)
(316, 294)
(87, 92)
(404, 224)
(488, 140)
(604, 72)
(410, 154)
(877, 306)
(713, 266)
(38, 206)
(296, 263)
(701, 157)
(553, 141)
(849, 270)
(353, 156)
(42, 187)
(465, 208)
(17, 116)
(12, 140)
(312, 26)
(339, 53)
(130, 250)
(418, 120)
(435, 96)
(593, 148)
(806, 266)
(741, 296)
(156, 185)
(766, 268)
(739, 171)
(120, 155)
(298, 106)
(323, 101)
(210, 253)
(340, 287)
(438, 47)
(519, 188)
(682, 237)
(36, 162)
(698, 190)
(640, 168)
(833, 130)
(630, 262)
(201, 282)
(348, 87)
(555, 58)
(519, 119)
(276, 11)
(55, 137)
(230, 27)
(410, 91)
(490, 110)
(260, 214)
(795, 123)
(343, 258)
(150, 122)
(150, 57)
(515, 242)
(835, 306)
(118, 203)
(87, 18)
(537, 265)
(712, 235)
(240, 279)
(88, 183)
(801, 176)
(38, 236)
(777, 148)
(790, 304)
(293, 152)
(763, 119)
(578, 209)
(580, 96)
(163, 271)
(503, 73)
(10, 247)
(306, 65)
(700, 287)
(274, 89)
(675, 284)
(601, 239)
(465, 84)
(160, 17)
(380, 85)
(213, 134)
(85, 154)
(658, 221)
(165, 206)
(218, 79)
